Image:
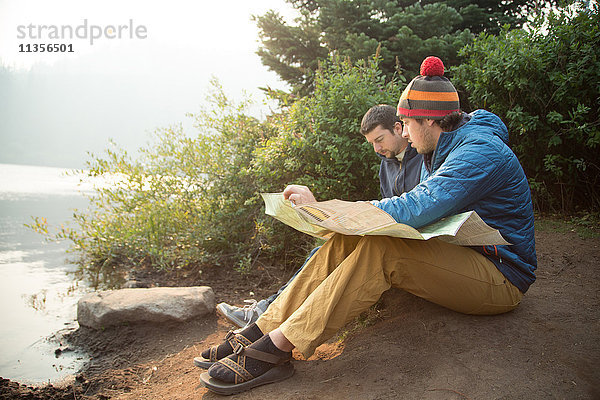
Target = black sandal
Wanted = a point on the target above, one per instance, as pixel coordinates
(244, 380)
(234, 339)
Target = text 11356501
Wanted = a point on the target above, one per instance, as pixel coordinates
(45, 48)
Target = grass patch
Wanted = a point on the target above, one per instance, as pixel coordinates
(587, 226)
(364, 320)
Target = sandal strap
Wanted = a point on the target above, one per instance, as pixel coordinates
(260, 355)
(239, 370)
(213, 354)
(231, 339)
(235, 338)
(243, 340)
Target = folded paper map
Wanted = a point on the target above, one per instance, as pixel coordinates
(324, 218)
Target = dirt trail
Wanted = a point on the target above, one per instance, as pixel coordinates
(547, 348)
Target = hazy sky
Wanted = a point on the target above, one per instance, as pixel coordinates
(56, 106)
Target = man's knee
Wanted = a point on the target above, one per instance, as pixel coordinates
(381, 242)
(339, 241)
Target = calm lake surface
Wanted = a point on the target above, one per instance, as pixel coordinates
(38, 293)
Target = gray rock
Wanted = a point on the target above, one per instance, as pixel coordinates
(164, 304)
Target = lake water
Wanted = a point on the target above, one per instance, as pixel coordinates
(38, 294)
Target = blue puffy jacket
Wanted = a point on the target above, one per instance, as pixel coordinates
(473, 168)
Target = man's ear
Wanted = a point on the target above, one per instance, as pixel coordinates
(430, 122)
(398, 128)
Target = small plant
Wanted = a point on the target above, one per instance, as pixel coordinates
(363, 321)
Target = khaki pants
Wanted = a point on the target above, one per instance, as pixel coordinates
(349, 273)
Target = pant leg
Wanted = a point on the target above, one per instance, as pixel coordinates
(315, 270)
(455, 277)
(452, 276)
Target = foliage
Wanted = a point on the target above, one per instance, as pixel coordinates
(172, 207)
(406, 30)
(194, 202)
(546, 86)
(189, 203)
(293, 52)
(319, 144)
(490, 15)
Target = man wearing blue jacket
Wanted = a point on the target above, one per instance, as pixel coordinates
(468, 166)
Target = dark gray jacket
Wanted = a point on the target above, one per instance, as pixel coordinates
(394, 181)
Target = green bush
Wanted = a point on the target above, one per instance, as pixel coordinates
(319, 142)
(187, 203)
(545, 84)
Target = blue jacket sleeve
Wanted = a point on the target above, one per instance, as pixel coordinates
(468, 174)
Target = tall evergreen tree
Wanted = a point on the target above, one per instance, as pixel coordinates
(406, 31)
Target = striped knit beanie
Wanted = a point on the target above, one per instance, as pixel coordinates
(430, 95)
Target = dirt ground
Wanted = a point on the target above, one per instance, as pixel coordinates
(404, 348)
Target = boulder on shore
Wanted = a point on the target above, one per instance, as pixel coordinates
(164, 304)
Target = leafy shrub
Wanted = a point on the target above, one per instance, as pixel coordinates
(545, 84)
(319, 142)
(186, 203)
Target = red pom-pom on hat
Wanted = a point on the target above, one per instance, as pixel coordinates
(432, 66)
